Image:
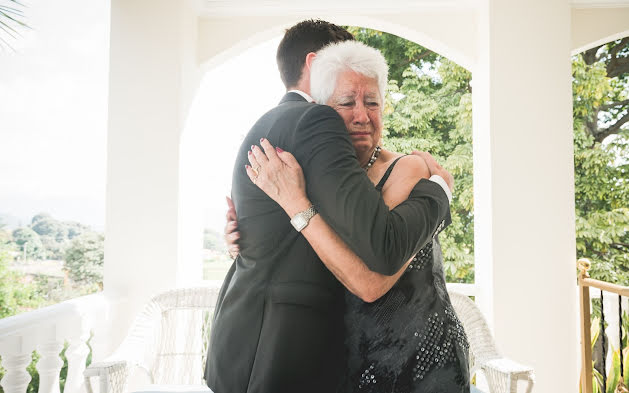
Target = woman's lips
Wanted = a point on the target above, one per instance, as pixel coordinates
(360, 133)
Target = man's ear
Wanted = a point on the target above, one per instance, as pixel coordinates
(309, 58)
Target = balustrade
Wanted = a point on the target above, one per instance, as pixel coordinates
(46, 331)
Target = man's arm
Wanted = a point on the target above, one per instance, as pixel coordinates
(280, 176)
(347, 200)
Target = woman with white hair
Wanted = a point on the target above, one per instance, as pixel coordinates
(402, 334)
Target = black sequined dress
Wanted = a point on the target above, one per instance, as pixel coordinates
(409, 340)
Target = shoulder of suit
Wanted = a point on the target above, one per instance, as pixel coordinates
(320, 111)
(315, 118)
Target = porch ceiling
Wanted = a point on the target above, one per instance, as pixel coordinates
(215, 8)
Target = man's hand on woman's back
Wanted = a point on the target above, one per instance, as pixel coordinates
(231, 233)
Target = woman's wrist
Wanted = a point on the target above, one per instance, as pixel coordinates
(297, 205)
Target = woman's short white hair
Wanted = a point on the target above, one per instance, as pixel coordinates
(342, 56)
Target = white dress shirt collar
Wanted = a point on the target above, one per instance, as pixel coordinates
(301, 93)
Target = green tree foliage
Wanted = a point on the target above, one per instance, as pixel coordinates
(55, 235)
(84, 258)
(75, 229)
(27, 239)
(6, 238)
(45, 225)
(429, 107)
(16, 295)
(601, 155)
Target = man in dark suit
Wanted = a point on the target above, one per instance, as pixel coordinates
(278, 323)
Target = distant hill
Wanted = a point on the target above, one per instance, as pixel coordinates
(21, 208)
(12, 222)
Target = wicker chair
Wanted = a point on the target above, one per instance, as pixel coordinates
(169, 338)
(167, 343)
(502, 374)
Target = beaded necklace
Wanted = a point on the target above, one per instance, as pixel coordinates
(374, 157)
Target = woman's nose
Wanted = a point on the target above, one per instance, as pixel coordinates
(360, 114)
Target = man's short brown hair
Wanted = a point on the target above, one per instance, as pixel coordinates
(301, 39)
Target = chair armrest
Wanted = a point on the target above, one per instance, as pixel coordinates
(112, 376)
(136, 351)
(502, 375)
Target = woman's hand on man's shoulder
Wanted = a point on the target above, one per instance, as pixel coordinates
(408, 171)
(413, 167)
(435, 169)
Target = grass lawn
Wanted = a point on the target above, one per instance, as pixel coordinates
(216, 267)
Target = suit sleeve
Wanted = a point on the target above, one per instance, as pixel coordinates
(350, 204)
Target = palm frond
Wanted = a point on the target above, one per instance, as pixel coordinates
(12, 19)
(8, 29)
(12, 10)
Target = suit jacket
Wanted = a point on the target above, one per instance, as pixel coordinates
(278, 324)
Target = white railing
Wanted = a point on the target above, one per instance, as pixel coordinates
(46, 331)
(463, 289)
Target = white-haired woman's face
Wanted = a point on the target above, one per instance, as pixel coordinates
(357, 99)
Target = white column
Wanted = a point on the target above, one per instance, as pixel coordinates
(150, 91)
(524, 186)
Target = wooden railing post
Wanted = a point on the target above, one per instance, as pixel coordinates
(586, 337)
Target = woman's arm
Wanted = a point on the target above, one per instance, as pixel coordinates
(361, 281)
(279, 176)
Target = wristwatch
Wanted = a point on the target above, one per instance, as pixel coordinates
(301, 219)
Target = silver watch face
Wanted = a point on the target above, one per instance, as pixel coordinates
(299, 222)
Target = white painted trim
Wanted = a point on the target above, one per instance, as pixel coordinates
(306, 8)
(580, 4)
(601, 41)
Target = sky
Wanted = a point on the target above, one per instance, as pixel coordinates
(53, 114)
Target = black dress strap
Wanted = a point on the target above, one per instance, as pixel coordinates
(387, 174)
